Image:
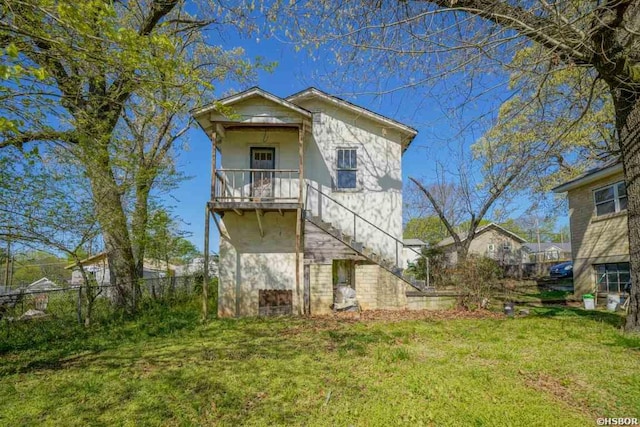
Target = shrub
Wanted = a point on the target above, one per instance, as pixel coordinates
(477, 279)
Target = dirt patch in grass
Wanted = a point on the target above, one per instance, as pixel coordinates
(550, 385)
(401, 315)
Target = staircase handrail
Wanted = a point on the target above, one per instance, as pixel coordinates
(309, 186)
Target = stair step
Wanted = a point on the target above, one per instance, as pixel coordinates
(334, 231)
(324, 225)
(388, 265)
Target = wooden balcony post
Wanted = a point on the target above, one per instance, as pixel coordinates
(205, 280)
(214, 137)
(301, 134)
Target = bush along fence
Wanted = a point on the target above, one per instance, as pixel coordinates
(86, 303)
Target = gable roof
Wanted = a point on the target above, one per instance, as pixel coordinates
(607, 169)
(43, 284)
(249, 93)
(149, 263)
(544, 246)
(407, 131)
(449, 240)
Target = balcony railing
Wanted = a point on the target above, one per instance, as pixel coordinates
(256, 185)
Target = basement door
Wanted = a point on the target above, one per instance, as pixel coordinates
(264, 160)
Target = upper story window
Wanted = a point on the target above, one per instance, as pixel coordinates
(610, 199)
(506, 247)
(347, 168)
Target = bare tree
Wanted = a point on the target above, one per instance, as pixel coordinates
(463, 197)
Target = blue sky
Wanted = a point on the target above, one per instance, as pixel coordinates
(297, 71)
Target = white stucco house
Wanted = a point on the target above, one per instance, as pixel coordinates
(306, 193)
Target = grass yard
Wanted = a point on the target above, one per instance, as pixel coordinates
(558, 366)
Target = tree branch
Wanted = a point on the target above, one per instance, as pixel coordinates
(539, 29)
(438, 210)
(43, 135)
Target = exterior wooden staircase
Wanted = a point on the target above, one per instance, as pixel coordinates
(392, 266)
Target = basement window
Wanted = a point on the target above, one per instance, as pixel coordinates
(612, 277)
(347, 168)
(611, 199)
(275, 302)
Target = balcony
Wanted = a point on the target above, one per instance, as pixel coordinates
(255, 189)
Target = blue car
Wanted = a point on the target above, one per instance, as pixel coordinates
(562, 270)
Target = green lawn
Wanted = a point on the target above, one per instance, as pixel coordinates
(559, 366)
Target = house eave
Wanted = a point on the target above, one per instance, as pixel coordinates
(449, 241)
(589, 178)
(202, 114)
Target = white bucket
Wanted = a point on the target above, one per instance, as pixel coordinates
(589, 303)
(613, 302)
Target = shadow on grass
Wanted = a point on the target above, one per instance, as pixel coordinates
(614, 319)
(632, 342)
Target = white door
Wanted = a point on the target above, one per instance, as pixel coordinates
(262, 159)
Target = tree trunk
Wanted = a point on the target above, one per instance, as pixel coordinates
(627, 107)
(462, 250)
(139, 225)
(113, 223)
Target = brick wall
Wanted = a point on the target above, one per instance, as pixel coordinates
(376, 288)
(321, 288)
(595, 239)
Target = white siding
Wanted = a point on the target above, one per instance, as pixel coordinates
(249, 262)
(236, 154)
(378, 197)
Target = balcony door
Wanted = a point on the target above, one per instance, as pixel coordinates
(263, 159)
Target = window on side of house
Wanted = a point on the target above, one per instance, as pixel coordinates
(491, 248)
(612, 277)
(610, 199)
(506, 247)
(347, 168)
(552, 254)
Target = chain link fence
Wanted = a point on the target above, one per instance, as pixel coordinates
(72, 302)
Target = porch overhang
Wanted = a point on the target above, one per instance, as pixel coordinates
(253, 108)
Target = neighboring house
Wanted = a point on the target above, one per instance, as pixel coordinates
(491, 241)
(42, 285)
(38, 292)
(307, 195)
(411, 250)
(98, 267)
(599, 233)
(196, 266)
(546, 252)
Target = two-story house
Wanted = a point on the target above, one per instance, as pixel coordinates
(306, 193)
(599, 233)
